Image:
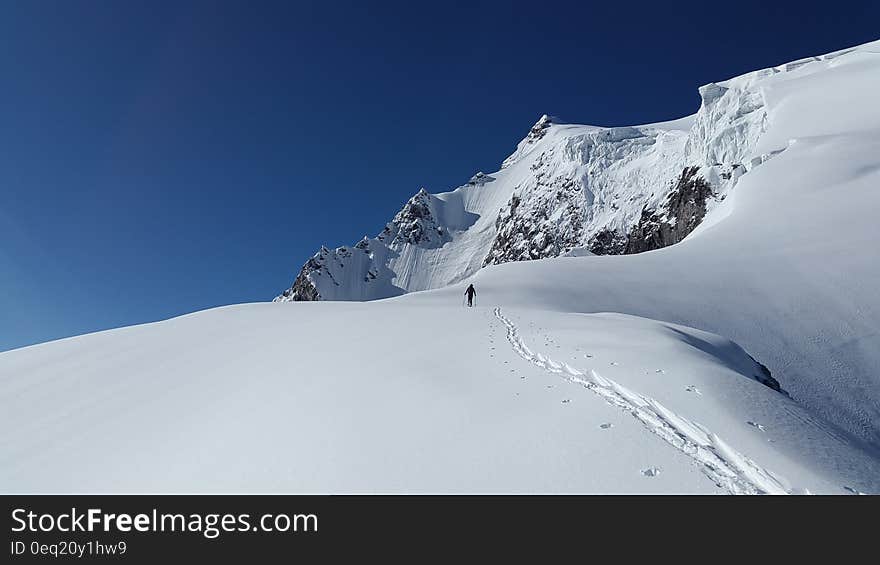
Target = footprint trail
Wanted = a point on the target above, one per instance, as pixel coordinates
(726, 467)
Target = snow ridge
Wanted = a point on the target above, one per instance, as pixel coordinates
(726, 467)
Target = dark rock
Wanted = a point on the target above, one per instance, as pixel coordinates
(526, 237)
(766, 379)
(480, 178)
(681, 212)
(415, 224)
(539, 129)
(303, 290)
(607, 242)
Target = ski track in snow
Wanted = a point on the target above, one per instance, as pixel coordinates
(726, 467)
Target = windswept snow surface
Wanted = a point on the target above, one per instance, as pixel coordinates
(388, 397)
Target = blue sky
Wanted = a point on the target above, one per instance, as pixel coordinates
(158, 158)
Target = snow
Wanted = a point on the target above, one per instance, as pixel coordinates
(580, 373)
(393, 397)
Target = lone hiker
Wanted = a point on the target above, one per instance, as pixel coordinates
(470, 294)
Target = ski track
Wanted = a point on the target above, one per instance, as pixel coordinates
(726, 467)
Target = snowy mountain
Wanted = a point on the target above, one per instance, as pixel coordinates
(610, 190)
(745, 358)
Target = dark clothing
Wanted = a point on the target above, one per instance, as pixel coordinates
(471, 292)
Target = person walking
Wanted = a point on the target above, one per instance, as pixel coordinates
(470, 292)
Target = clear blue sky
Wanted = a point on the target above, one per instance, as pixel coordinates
(162, 157)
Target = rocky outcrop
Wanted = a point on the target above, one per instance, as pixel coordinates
(539, 129)
(480, 178)
(554, 225)
(681, 212)
(526, 237)
(415, 224)
(302, 289)
(765, 378)
(607, 242)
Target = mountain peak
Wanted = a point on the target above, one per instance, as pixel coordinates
(540, 128)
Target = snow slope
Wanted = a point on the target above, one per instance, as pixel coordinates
(393, 397)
